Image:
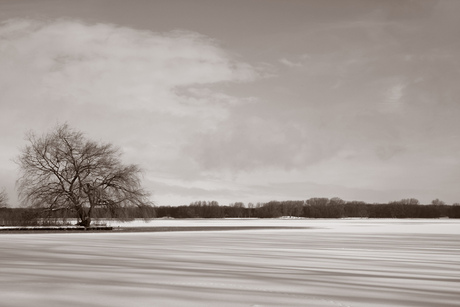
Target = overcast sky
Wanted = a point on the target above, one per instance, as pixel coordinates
(250, 100)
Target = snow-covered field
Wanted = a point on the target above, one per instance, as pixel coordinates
(331, 263)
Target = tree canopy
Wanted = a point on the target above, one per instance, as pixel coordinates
(63, 170)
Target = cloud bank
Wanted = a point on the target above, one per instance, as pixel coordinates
(144, 91)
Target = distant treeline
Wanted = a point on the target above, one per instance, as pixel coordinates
(311, 208)
(34, 217)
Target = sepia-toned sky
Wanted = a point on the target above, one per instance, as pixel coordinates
(244, 100)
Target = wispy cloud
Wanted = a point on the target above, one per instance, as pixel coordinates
(393, 100)
(395, 93)
(106, 64)
(289, 63)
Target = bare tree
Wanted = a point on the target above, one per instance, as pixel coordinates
(437, 202)
(3, 199)
(62, 170)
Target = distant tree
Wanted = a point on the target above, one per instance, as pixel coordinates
(429, 211)
(356, 209)
(62, 170)
(292, 208)
(213, 210)
(3, 199)
(318, 201)
(317, 207)
(250, 209)
(326, 208)
(409, 208)
(336, 207)
(409, 201)
(438, 202)
(237, 209)
(272, 209)
(454, 211)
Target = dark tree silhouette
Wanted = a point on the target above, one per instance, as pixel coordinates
(62, 170)
(3, 199)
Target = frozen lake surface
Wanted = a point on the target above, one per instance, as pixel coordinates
(351, 263)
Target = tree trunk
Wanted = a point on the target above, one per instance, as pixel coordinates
(85, 222)
(85, 218)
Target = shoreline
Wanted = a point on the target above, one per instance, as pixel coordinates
(109, 229)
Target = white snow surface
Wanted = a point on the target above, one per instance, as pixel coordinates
(356, 262)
